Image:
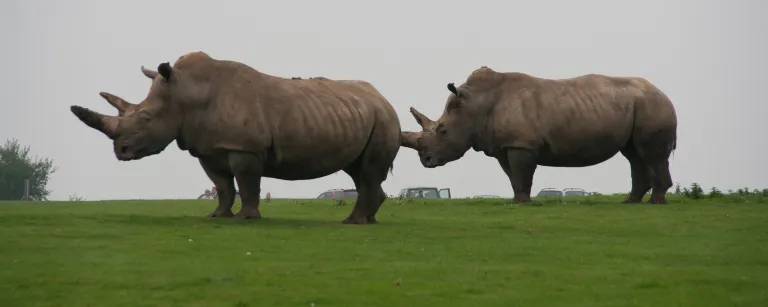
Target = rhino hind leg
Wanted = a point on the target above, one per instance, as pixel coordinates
(370, 196)
(368, 173)
(380, 201)
(650, 152)
(224, 182)
(641, 182)
(662, 181)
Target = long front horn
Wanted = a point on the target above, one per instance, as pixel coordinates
(409, 139)
(120, 104)
(423, 121)
(104, 123)
(149, 73)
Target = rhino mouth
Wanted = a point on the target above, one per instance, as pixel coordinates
(127, 153)
(431, 161)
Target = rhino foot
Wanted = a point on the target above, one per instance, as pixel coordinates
(221, 213)
(661, 201)
(248, 214)
(242, 216)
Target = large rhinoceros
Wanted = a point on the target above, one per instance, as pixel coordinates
(244, 125)
(524, 121)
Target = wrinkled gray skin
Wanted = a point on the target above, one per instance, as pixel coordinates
(244, 125)
(524, 121)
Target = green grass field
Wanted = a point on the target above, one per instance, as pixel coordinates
(591, 252)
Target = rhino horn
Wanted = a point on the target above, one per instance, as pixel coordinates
(104, 123)
(120, 104)
(423, 121)
(409, 139)
(149, 73)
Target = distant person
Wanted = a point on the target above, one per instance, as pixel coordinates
(269, 196)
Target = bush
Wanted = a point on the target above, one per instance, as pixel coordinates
(743, 195)
(16, 166)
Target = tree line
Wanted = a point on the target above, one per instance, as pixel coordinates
(17, 166)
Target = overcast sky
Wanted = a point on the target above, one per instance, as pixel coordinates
(708, 56)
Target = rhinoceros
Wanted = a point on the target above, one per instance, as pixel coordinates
(242, 124)
(524, 121)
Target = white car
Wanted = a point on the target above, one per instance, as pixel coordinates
(553, 192)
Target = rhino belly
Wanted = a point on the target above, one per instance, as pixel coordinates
(580, 151)
(313, 162)
(309, 158)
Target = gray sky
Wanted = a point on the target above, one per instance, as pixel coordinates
(708, 56)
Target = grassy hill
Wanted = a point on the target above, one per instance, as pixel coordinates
(589, 251)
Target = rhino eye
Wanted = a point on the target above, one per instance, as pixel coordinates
(441, 129)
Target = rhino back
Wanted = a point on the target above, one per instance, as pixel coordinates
(307, 128)
(317, 120)
(572, 122)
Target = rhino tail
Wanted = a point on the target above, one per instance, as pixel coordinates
(674, 147)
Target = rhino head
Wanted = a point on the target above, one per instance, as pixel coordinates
(446, 139)
(144, 129)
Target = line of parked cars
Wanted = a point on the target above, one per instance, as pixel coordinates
(411, 192)
(421, 192)
(553, 192)
(435, 193)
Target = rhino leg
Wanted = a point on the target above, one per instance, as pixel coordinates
(224, 182)
(520, 166)
(380, 201)
(366, 204)
(654, 150)
(641, 183)
(368, 172)
(662, 181)
(248, 169)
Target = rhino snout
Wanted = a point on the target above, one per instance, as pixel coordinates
(429, 161)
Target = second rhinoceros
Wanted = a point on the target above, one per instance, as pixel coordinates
(242, 124)
(524, 121)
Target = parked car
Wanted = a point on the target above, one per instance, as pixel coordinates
(486, 196)
(338, 193)
(425, 192)
(552, 192)
(575, 192)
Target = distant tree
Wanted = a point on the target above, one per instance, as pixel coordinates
(696, 191)
(715, 192)
(16, 165)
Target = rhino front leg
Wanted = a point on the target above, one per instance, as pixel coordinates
(248, 170)
(224, 182)
(520, 165)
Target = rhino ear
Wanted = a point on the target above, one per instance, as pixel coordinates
(165, 70)
(452, 88)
